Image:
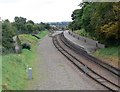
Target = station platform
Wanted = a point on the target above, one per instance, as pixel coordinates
(87, 44)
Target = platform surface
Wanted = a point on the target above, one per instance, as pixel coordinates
(89, 45)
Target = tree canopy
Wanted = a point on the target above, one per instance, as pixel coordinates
(100, 20)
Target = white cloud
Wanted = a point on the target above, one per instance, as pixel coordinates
(7, 1)
(39, 10)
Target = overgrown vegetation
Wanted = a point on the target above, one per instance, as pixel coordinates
(8, 31)
(99, 20)
(109, 54)
(42, 34)
(0, 72)
(14, 73)
(19, 26)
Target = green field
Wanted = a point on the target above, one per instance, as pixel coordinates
(14, 75)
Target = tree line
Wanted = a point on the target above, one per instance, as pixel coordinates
(98, 20)
(20, 26)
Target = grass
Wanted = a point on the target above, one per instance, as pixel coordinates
(109, 55)
(42, 34)
(82, 32)
(14, 75)
(0, 72)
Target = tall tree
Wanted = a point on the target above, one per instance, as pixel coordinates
(8, 31)
(100, 20)
(20, 24)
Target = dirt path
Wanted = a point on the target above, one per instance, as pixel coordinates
(55, 72)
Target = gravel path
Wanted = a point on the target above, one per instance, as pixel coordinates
(55, 72)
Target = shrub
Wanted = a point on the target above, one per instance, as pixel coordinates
(26, 46)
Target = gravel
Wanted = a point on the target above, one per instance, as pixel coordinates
(55, 72)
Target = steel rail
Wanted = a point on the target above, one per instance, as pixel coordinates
(80, 51)
(68, 56)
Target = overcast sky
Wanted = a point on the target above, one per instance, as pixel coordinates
(39, 10)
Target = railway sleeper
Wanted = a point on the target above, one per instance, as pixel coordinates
(106, 84)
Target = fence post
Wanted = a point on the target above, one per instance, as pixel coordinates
(30, 74)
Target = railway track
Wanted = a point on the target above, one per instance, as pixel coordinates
(79, 50)
(79, 64)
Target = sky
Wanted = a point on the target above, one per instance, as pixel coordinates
(39, 10)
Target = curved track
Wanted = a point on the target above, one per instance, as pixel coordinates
(60, 43)
(77, 49)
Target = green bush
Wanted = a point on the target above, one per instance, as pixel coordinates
(8, 31)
